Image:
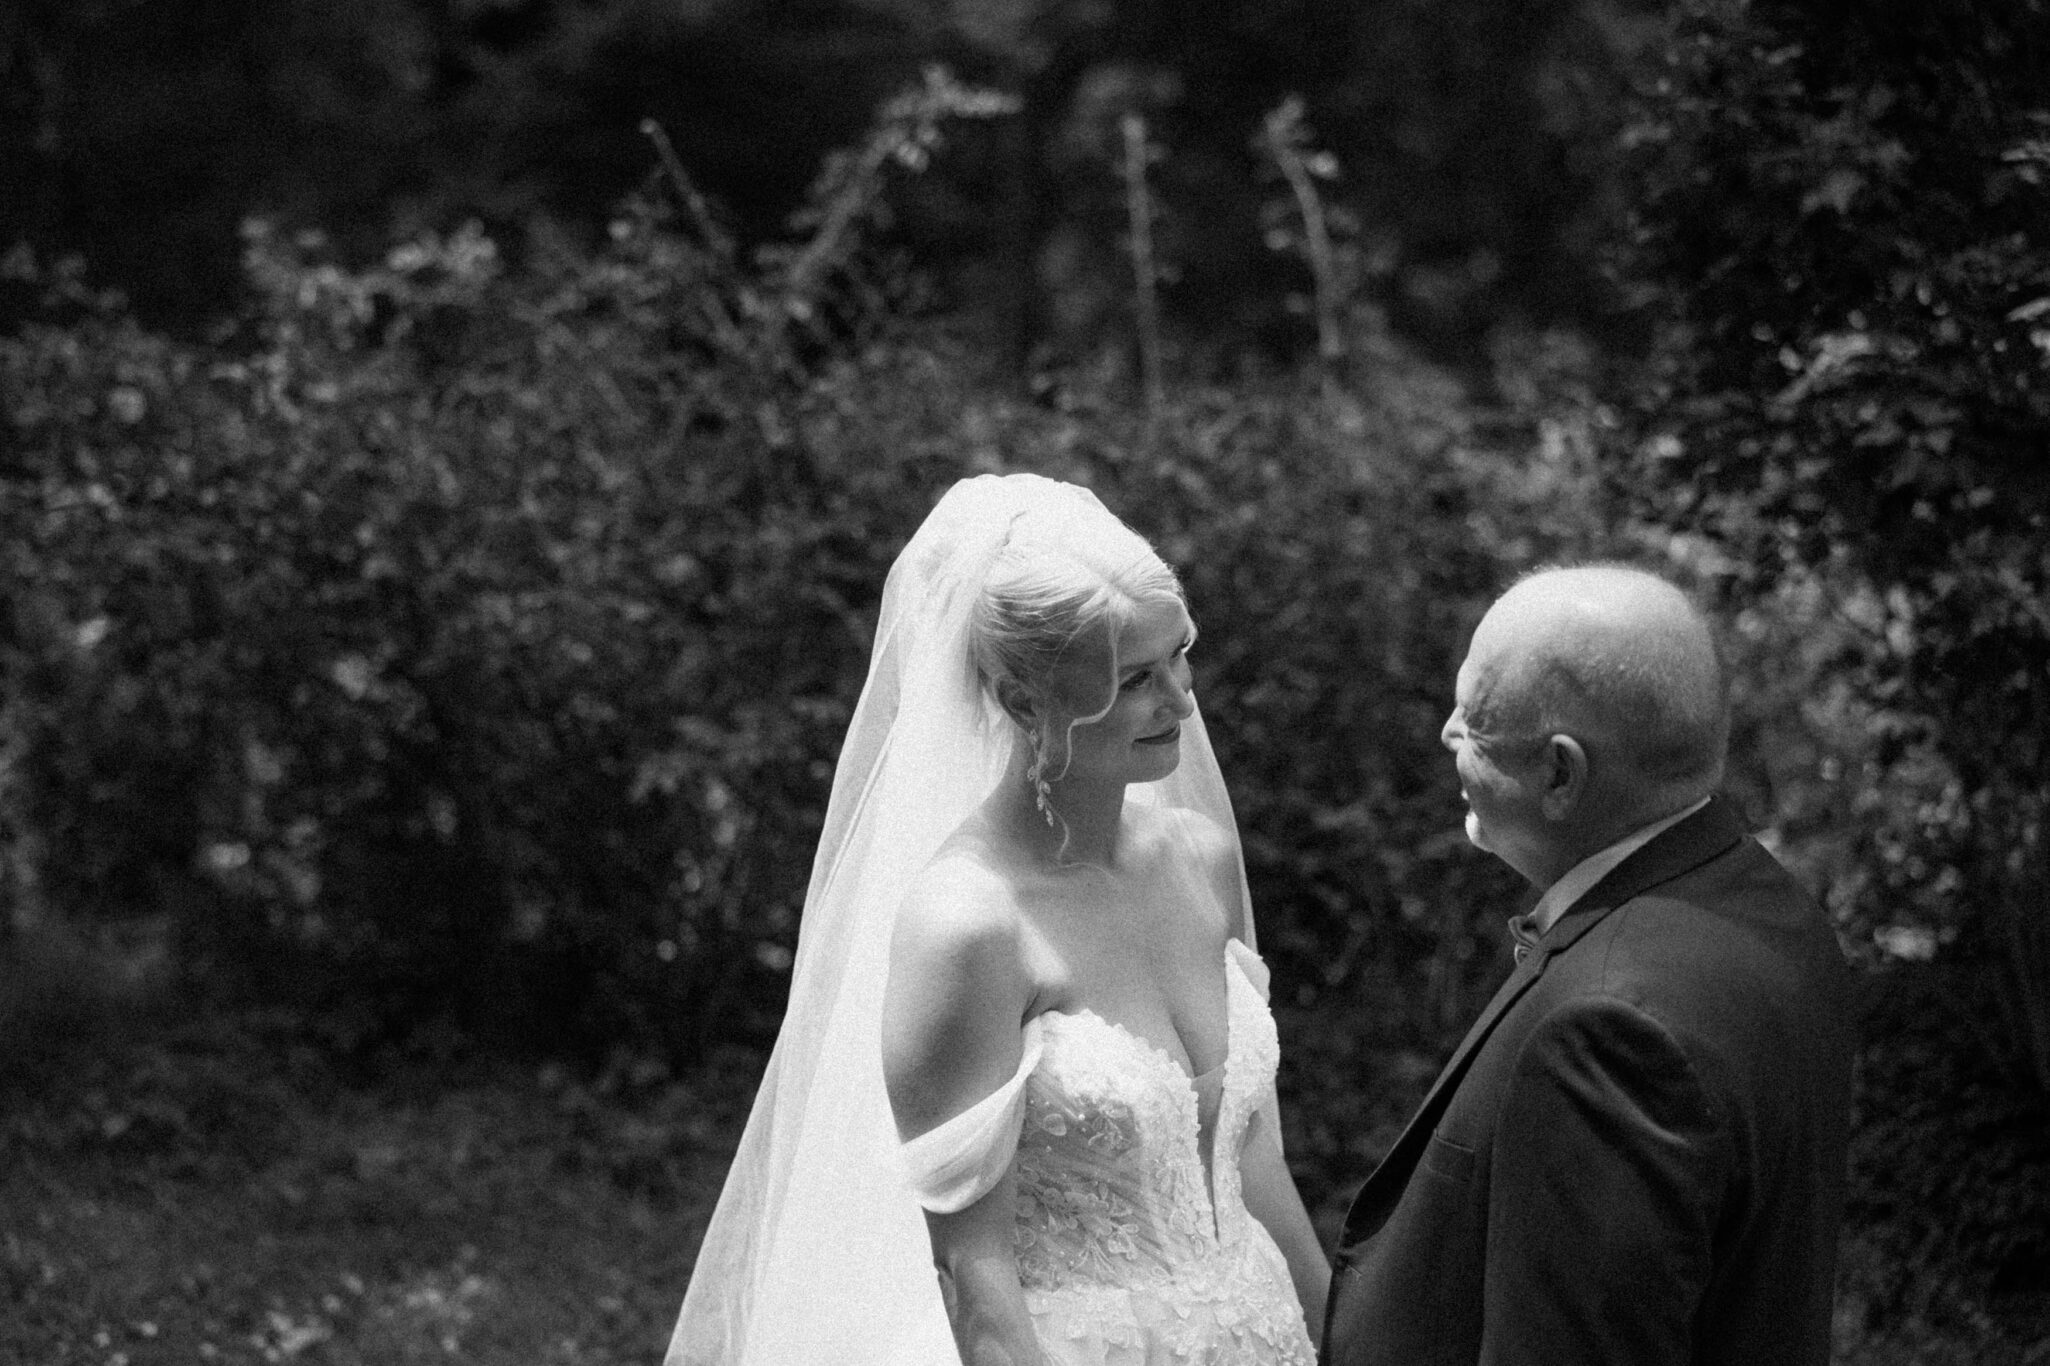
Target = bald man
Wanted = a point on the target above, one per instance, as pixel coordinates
(1637, 1154)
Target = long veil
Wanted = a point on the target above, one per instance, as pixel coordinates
(817, 1251)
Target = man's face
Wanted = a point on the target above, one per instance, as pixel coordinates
(1501, 776)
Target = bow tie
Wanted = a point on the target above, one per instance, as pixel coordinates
(1523, 929)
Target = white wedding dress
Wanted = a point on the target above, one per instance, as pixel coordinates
(1134, 1244)
(1135, 1247)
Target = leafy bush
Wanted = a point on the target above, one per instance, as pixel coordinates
(1948, 1230)
(483, 636)
(478, 640)
(1836, 225)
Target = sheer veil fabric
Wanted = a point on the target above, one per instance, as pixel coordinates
(817, 1250)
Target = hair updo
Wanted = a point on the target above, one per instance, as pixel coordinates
(1062, 578)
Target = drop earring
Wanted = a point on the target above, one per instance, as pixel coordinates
(1042, 790)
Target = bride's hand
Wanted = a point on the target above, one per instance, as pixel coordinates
(1271, 1197)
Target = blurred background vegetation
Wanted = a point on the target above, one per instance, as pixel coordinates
(453, 449)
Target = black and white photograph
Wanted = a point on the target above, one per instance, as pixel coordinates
(1024, 683)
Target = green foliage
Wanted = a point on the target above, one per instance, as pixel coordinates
(476, 640)
(1835, 235)
(438, 629)
(482, 635)
(1949, 1223)
(535, 598)
(1469, 130)
(1837, 223)
(535, 604)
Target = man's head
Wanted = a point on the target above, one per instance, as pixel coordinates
(1591, 703)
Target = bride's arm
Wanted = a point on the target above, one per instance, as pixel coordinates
(1269, 1190)
(1272, 1198)
(978, 1270)
(951, 1036)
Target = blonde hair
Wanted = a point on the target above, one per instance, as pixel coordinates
(1061, 578)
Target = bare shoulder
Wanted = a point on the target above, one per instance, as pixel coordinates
(1212, 851)
(958, 991)
(960, 911)
(1214, 844)
(1153, 826)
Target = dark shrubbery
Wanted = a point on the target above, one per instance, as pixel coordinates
(474, 641)
(470, 647)
(481, 642)
(454, 631)
(1950, 1212)
(1836, 224)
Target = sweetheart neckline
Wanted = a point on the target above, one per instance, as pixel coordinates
(1192, 1086)
(1191, 1077)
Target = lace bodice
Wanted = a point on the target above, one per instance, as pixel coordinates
(1131, 1247)
(1111, 1176)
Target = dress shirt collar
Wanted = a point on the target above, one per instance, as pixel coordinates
(1581, 878)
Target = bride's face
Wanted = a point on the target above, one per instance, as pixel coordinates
(1138, 740)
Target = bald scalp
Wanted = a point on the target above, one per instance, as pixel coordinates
(1614, 656)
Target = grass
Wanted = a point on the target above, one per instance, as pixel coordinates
(222, 1192)
(181, 1190)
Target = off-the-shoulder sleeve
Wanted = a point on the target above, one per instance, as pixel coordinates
(956, 1164)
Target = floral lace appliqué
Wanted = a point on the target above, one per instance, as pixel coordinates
(1120, 1248)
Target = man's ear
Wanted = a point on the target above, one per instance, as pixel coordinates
(1565, 776)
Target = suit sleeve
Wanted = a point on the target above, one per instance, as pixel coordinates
(1608, 1174)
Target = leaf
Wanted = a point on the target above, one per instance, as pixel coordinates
(1837, 191)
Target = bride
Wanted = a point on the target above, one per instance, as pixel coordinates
(1025, 1003)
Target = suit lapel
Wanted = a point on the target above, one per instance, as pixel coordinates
(1377, 1198)
(1701, 837)
(1693, 842)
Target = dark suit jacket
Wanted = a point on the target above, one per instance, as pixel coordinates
(1637, 1154)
